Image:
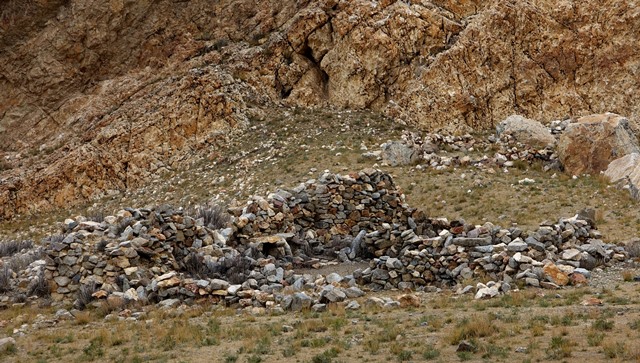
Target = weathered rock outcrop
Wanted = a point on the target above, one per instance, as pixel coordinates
(592, 142)
(109, 92)
(626, 171)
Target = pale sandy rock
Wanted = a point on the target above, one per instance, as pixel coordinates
(592, 142)
(529, 132)
(626, 172)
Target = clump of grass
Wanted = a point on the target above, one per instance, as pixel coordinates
(594, 338)
(614, 349)
(559, 347)
(430, 352)
(94, 350)
(627, 275)
(476, 327)
(326, 356)
(602, 325)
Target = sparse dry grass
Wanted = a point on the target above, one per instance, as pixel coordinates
(549, 327)
(569, 332)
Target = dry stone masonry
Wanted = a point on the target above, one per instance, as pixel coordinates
(165, 255)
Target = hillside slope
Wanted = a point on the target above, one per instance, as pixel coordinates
(97, 99)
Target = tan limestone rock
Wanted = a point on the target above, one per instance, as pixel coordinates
(592, 142)
(555, 275)
(529, 132)
(626, 171)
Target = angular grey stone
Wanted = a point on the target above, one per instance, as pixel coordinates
(353, 292)
(471, 242)
(535, 244)
(218, 284)
(517, 245)
(300, 301)
(333, 277)
(352, 305)
(393, 264)
(586, 273)
(379, 274)
(396, 153)
(318, 308)
(532, 282)
(331, 293)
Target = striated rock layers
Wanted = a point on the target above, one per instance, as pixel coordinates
(94, 99)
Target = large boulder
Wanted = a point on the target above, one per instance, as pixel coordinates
(592, 142)
(529, 132)
(626, 171)
(396, 153)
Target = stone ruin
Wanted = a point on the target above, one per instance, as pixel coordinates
(164, 255)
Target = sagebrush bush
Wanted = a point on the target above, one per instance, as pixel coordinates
(39, 287)
(5, 279)
(214, 217)
(85, 295)
(10, 248)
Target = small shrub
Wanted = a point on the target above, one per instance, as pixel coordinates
(559, 347)
(614, 350)
(627, 275)
(214, 217)
(10, 248)
(94, 349)
(22, 261)
(594, 338)
(602, 325)
(475, 328)
(326, 356)
(430, 352)
(288, 352)
(85, 295)
(5, 279)
(39, 287)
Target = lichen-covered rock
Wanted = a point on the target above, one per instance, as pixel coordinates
(529, 132)
(591, 143)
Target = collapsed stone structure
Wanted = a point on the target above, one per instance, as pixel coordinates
(166, 255)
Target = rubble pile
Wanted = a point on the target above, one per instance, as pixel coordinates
(453, 252)
(166, 255)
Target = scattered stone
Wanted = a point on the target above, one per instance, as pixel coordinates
(300, 302)
(6, 342)
(352, 305)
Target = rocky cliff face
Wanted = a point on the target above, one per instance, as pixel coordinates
(96, 99)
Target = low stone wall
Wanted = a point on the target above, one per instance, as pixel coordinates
(163, 254)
